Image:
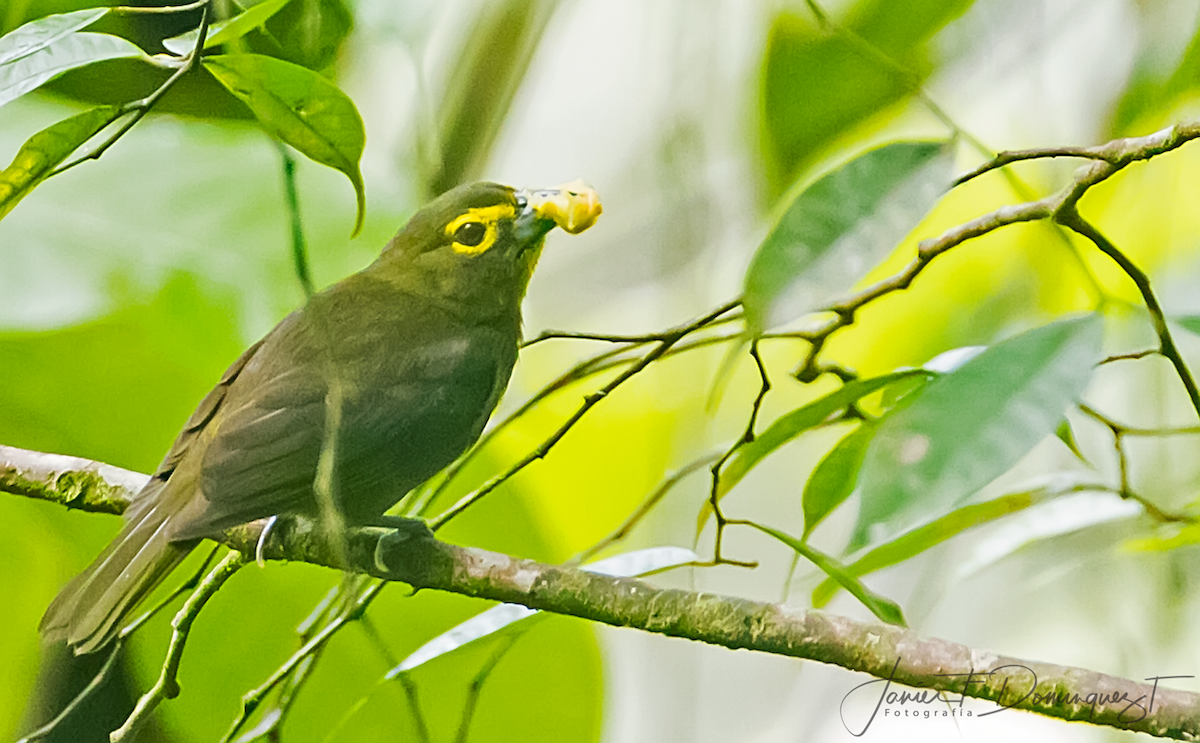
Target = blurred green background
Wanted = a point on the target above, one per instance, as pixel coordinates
(128, 284)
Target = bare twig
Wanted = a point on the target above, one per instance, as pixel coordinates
(1069, 217)
(109, 664)
(167, 685)
(589, 401)
(747, 437)
(253, 698)
(141, 107)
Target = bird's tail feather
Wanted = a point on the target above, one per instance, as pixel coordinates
(90, 611)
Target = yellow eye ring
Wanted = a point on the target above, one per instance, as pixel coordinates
(475, 231)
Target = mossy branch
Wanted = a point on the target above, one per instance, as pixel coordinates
(887, 652)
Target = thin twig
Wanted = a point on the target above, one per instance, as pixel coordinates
(1132, 356)
(475, 688)
(589, 401)
(748, 435)
(590, 367)
(643, 509)
(140, 108)
(1070, 217)
(157, 9)
(253, 698)
(299, 247)
(109, 664)
(167, 685)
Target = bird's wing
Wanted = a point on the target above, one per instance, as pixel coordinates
(263, 441)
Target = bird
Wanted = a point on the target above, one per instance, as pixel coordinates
(389, 375)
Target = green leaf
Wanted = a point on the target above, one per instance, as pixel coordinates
(882, 607)
(970, 426)
(638, 562)
(840, 226)
(952, 524)
(46, 150)
(41, 50)
(228, 30)
(302, 109)
(1067, 436)
(817, 85)
(791, 425)
(834, 477)
(1190, 323)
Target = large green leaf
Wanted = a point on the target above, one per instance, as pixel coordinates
(46, 150)
(43, 49)
(840, 226)
(228, 30)
(302, 109)
(969, 426)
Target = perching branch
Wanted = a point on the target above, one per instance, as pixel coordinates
(896, 654)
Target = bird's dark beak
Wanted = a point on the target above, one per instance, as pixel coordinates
(572, 206)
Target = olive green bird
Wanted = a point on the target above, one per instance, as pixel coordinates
(394, 371)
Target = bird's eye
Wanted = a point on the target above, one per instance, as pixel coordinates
(470, 234)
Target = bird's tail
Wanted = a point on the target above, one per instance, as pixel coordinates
(90, 611)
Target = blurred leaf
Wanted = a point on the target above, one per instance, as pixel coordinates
(43, 49)
(952, 524)
(486, 75)
(302, 109)
(791, 425)
(1067, 436)
(1059, 516)
(882, 607)
(833, 479)
(479, 626)
(1149, 89)
(839, 227)
(46, 150)
(816, 85)
(308, 33)
(638, 562)
(226, 31)
(1190, 323)
(970, 426)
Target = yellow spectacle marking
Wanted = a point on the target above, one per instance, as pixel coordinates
(488, 216)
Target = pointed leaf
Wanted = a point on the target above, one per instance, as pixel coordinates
(228, 30)
(41, 50)
(913, 543)
(791, 425)
(46, 150)
(834, 477)
(302, 109)
(836, 229)
(638, 562)
(970, 426)
(882, 607)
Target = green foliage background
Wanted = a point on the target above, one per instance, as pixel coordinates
(127, 285)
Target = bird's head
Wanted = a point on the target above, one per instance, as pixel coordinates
(477, 244)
